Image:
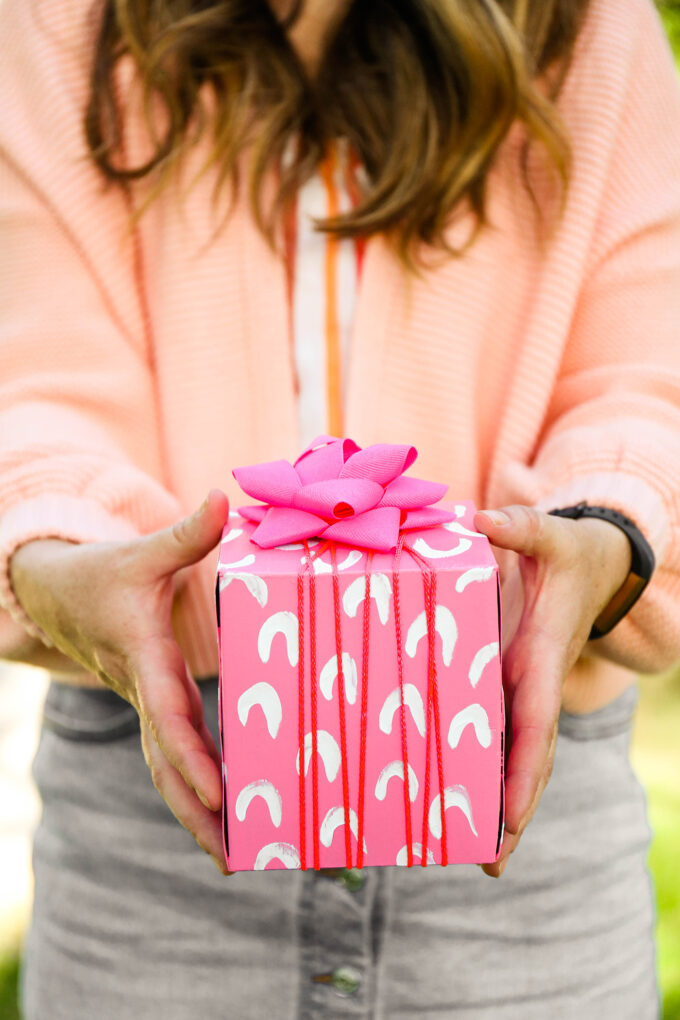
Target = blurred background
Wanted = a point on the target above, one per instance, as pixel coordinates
(656, 759)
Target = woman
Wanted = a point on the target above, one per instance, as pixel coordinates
(534, 362)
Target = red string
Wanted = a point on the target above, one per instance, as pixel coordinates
(364, 711)
(402, 707)
(301, 717)
(426, 787)
(437, 721)
(432, 711)
(341, 705)
(313, 689)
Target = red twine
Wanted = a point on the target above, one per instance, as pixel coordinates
(402, 706)
(432, 710)
(341, 705)
(301, 718)
(432, 704)
(314, 692)
(364, 712)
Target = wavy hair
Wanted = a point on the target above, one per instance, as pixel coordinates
(424, 90)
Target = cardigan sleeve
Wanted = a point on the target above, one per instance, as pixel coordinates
(80, 450)
(612, 431)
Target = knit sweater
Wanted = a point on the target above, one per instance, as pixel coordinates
(136, 370)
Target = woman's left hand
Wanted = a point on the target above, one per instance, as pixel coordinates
(564, 574)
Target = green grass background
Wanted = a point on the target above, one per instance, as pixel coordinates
(656, 757)
(670, 12)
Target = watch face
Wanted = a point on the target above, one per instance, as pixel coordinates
(621, 602)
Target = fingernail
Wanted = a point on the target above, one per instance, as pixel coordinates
(496, 516)
(203, 799)
(502, 867)
(201, 796)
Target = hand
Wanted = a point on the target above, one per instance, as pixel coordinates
(565, 572)
(107, 606)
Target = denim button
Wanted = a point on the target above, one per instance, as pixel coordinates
(353, 878)
(345, 980)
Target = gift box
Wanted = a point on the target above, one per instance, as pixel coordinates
(361, 706)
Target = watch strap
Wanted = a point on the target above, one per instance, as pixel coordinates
(641, 567)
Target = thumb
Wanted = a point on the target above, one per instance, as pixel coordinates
(523, 529)
(192, 538)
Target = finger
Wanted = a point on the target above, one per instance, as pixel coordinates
(166, 707)
(190, 539)
(511, 839)
(522, 529)
(512, 601)
(534, 711)
(204, 825)
(532, 679)
(211, 746)
(195, 700)
(198, 719)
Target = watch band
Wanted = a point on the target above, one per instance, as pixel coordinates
(641, 566)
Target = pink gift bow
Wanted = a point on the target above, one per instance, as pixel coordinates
(339, 492)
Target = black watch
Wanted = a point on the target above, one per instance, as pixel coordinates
(641, 566)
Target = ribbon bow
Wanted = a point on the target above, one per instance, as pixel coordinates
(338, 492)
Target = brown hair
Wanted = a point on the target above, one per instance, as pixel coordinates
(425, 91)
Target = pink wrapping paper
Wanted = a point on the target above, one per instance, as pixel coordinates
(257, 595)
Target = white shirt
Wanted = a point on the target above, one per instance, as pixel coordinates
(325, 274)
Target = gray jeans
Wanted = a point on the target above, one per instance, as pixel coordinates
(133, 922)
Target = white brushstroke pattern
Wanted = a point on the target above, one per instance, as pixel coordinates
(472, 715)
(381, 591)
(402, 856)
(270, 795)
(352, 557)
(392, 702)
(335, 818)
(482, 658)
(264, 695)
(459, 529)
(454, 796)
(257, 586)
(329, 673)
(423, 547)
(284, 852)
(327, 747)
(396, 768)
(473, 574)
(445, 626)
(231, 535)
(246, 561)
(286, 623)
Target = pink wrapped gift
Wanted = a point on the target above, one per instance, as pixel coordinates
(361, 705)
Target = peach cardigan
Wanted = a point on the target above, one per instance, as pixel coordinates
(136, 371)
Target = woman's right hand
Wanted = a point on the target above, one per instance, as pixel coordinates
(107, 606)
